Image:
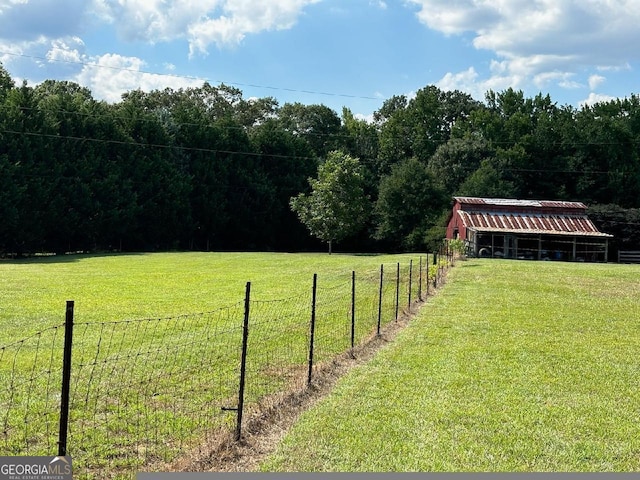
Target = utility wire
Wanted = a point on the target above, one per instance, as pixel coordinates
(187, 77)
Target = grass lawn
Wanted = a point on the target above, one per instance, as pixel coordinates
(33, 292)
(156, 342)
(513, 366)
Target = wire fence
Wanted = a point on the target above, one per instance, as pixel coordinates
(124, 396)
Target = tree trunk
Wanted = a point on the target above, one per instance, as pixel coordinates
(329, 247)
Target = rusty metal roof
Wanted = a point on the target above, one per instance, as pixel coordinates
(530, 223)
(512, 202)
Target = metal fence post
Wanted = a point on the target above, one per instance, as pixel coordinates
(243, 360)
(66, 380)
(380, 299)
(312, 327)
(353, 310)
(420, 279)
(397, 289)
(437, 272)
(410, 283)
(426, 283)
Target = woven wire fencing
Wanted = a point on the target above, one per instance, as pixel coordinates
(30, 380)
(138, 395)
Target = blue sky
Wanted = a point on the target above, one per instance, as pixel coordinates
(353, 53)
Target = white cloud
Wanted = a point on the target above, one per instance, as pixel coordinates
(200, 22)
(618, 68)
(540, 42)
(563, 79)
(10, 51)
(6, 5)
(466, 81)
(66, 50)
(597, 98)
(595, 81)
(469, 82)
(367, 118)
(111, 75)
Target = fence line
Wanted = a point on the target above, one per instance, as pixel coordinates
(137, 393)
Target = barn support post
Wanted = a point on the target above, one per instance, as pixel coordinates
(66, 380)
(243, 360)
(312, 326)
(380, 299)
(539, 247)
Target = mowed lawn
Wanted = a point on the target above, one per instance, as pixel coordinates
(513, 366)
(33, 292)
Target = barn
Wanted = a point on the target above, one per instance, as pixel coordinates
(527, 229)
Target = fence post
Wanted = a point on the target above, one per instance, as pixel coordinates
(353, 311)
(420, 279)
(426, 283)
(243, 360)
(397, 289)
(437, 272)
(410, 283)
(66, 380)
(312, 327)
(380, 299)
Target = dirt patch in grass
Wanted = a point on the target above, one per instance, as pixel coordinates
(266, 424)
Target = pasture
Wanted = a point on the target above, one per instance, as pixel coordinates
(156, 344)
(116, 287)
(513, 366)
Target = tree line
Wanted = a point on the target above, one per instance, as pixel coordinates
(207, 169)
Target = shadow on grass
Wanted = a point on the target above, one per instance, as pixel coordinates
(46, 258)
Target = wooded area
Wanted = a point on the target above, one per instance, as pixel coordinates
(207, 169)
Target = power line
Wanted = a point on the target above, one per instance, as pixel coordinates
(367, 161)
(177, 124)
(373, 135)
(188, 77)
(154, 145)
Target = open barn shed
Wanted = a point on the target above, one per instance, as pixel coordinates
(527, 229)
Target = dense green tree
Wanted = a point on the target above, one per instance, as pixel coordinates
(286, 161)
(418, 127)
(31, 167)
(160, 183)
(337, 206)
(360, 138)
(622, 223)
(205, 168)
(453, 162)
(409, 202)
(6, 83)
(606, 154)
(317, 124)
(489, 180)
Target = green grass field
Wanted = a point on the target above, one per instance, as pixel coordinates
(157, 342)
(33, 292)
(513, 366)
